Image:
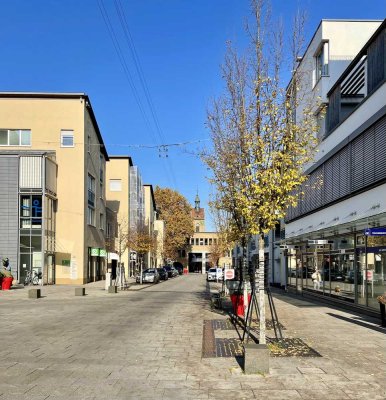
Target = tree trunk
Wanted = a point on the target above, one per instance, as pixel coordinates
(261, 288)
(140, 271)
(244, 277)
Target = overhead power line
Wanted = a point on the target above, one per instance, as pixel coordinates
(129, 77)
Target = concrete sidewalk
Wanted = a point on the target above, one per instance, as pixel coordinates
(147, 344)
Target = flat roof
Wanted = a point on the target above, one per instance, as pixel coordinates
(123, 158)
(47, 95)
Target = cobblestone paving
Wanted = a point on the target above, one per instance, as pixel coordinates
(147, 344)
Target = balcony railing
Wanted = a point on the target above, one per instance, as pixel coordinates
(361, 78)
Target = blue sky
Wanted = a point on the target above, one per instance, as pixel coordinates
(64, 46)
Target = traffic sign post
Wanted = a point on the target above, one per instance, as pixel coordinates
(229, 274)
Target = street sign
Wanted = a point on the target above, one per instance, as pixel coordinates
(375, 232)
(229, 274)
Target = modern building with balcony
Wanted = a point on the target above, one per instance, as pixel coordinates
(338, 225)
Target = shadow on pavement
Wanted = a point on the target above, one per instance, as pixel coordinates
(359, 322)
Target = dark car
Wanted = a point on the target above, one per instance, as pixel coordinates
(168, 269)
(172, 272)
(163, 274)
(179, 269)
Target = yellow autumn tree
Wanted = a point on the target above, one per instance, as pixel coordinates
(174, 210)
(142, 242)
(259, 148)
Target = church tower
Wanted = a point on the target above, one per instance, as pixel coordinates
(198, 215)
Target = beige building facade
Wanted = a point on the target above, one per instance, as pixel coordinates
(118, 200)
(203, 245)
(52, 146)
(150, 259)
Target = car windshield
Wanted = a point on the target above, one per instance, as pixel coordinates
(150, 271)
(167, 268)
(212, 270)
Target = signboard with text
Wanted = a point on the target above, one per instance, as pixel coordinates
(375, 232)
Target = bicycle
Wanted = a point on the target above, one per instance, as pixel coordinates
(34, 280)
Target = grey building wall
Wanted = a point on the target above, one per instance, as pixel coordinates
(9, 220)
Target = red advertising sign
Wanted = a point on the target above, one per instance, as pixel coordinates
(229, 274)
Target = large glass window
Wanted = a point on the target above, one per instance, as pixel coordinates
(31, 260)
(376, 276)
(15, 137)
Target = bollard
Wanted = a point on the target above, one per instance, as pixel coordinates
(112, 289)
(80, 291)
(34, 294)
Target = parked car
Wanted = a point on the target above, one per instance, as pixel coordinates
(168, 269)
(150, 275)
(179, 268)
(163, 274)
(172, 272)
(211, 274)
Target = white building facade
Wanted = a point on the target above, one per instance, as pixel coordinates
(337, 228)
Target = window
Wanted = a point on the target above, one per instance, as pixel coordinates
(321, 62)
(201, 241)
(197, 241)
(91, 200)
(115, 185)
(15, 137)
(66, 138)
(210, 241)
(91, 190)
(101, 221)
(91, 216)
(101, 175)
(206, 242)
(197, 228)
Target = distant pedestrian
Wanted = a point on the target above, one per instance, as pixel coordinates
(6, 265)
(316, 278)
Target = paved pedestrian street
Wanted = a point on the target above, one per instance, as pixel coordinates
(148, 344)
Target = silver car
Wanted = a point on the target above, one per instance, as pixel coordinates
(150, 275)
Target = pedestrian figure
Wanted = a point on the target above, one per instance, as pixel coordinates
(316, 278)
(6, 265)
